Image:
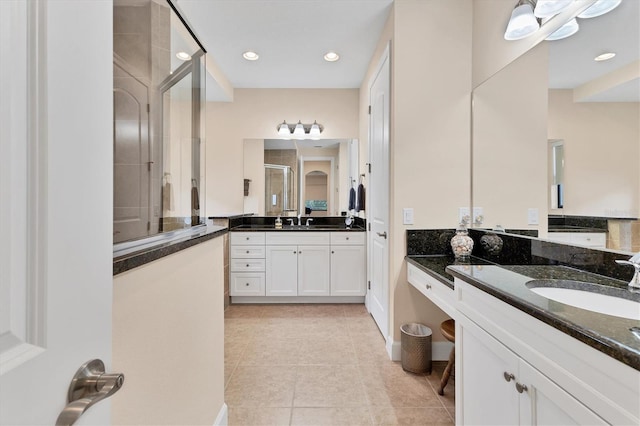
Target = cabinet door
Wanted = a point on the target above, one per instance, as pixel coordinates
(488, 397)
(281, 271)
(545, 403)
(348, 271)
(313, 270)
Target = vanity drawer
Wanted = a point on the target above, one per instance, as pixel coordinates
(247, 238)
(440, 294)
(247, 265)
(308, 238)
(347, 238)
(247, 252)
(247, 284)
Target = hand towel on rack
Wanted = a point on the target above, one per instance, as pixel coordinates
(352, 198)
(195, 198)
(361, 195)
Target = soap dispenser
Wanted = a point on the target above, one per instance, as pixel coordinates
(278, 222)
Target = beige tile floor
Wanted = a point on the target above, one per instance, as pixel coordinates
(322, 365)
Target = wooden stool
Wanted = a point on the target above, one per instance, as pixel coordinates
(448, 330)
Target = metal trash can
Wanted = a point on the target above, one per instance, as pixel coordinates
(415, 345)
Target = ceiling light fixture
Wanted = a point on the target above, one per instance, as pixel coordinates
(547, 8)
(604, 57)
(522, 23)
(600, 8)
(250, 55)
(183, 56)
(331, 56)
(300, 130)
(567, 30)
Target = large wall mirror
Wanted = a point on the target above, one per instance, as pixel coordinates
(291, 177)
(554, 93)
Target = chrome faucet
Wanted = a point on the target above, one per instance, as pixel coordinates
(290, 221)
(300, 219)
(635, 262)
(308, 221)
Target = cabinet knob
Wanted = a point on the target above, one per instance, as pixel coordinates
(295, 252)
(247, 238)
(247, 284)
(300, 252)
(521, 388)
(347, 238)
(247, 265)
(247, 251)
(508, 376)
(332, 252)
(428, 286)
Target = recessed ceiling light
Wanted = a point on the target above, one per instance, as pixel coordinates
(183, 56)
(604, 57)
(331, 56)
(250, 55)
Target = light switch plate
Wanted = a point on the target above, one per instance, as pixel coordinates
(407, 216)
(463, 213)
(532, 215)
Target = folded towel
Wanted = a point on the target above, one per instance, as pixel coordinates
(360, 204)
(352, 198)
(195, 200)
(167, 197)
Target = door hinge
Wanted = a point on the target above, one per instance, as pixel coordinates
(369, 285)
(148, 108)
(149, 163)
(369, 109)
(369, 226)
(148, 226)
(369, 165)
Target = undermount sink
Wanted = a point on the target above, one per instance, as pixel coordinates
(618, 302)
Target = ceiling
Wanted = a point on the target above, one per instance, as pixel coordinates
(291, 37)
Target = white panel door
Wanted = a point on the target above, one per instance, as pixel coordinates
(348, 272)
(314, 271)
(56, 169)
(378, 197)
(281, 271)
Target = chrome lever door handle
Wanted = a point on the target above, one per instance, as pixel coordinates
(382, 234)
(89, 385)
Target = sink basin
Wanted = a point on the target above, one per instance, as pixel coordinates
(592, 297)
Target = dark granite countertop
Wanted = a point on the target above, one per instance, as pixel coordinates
(161, 249)
(435, 265)
(606, 333)
(296, 228)
(580, 229)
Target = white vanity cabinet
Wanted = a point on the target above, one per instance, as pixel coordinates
(514, 369)
(348, 264)
(247, 264)
(500, 388)
(306, 266)
(297, 264)
(586, 239)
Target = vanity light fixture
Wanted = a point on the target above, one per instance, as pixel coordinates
(600, 8)
(548, 8)
(331, 56)
(523, 23)
(250, 55)
(567, 30)
(183, 56)
(300, 130)
(604, 57)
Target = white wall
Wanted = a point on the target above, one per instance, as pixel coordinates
(254, 114)
(430, 119)
(602, 146)
(168, 338)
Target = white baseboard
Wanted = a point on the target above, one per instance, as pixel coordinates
(223, 416)
(296, 299)
(439, 350)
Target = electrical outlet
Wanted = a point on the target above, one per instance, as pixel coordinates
(478, 215)
(532, 216)
(464, 215)
(407, 216)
